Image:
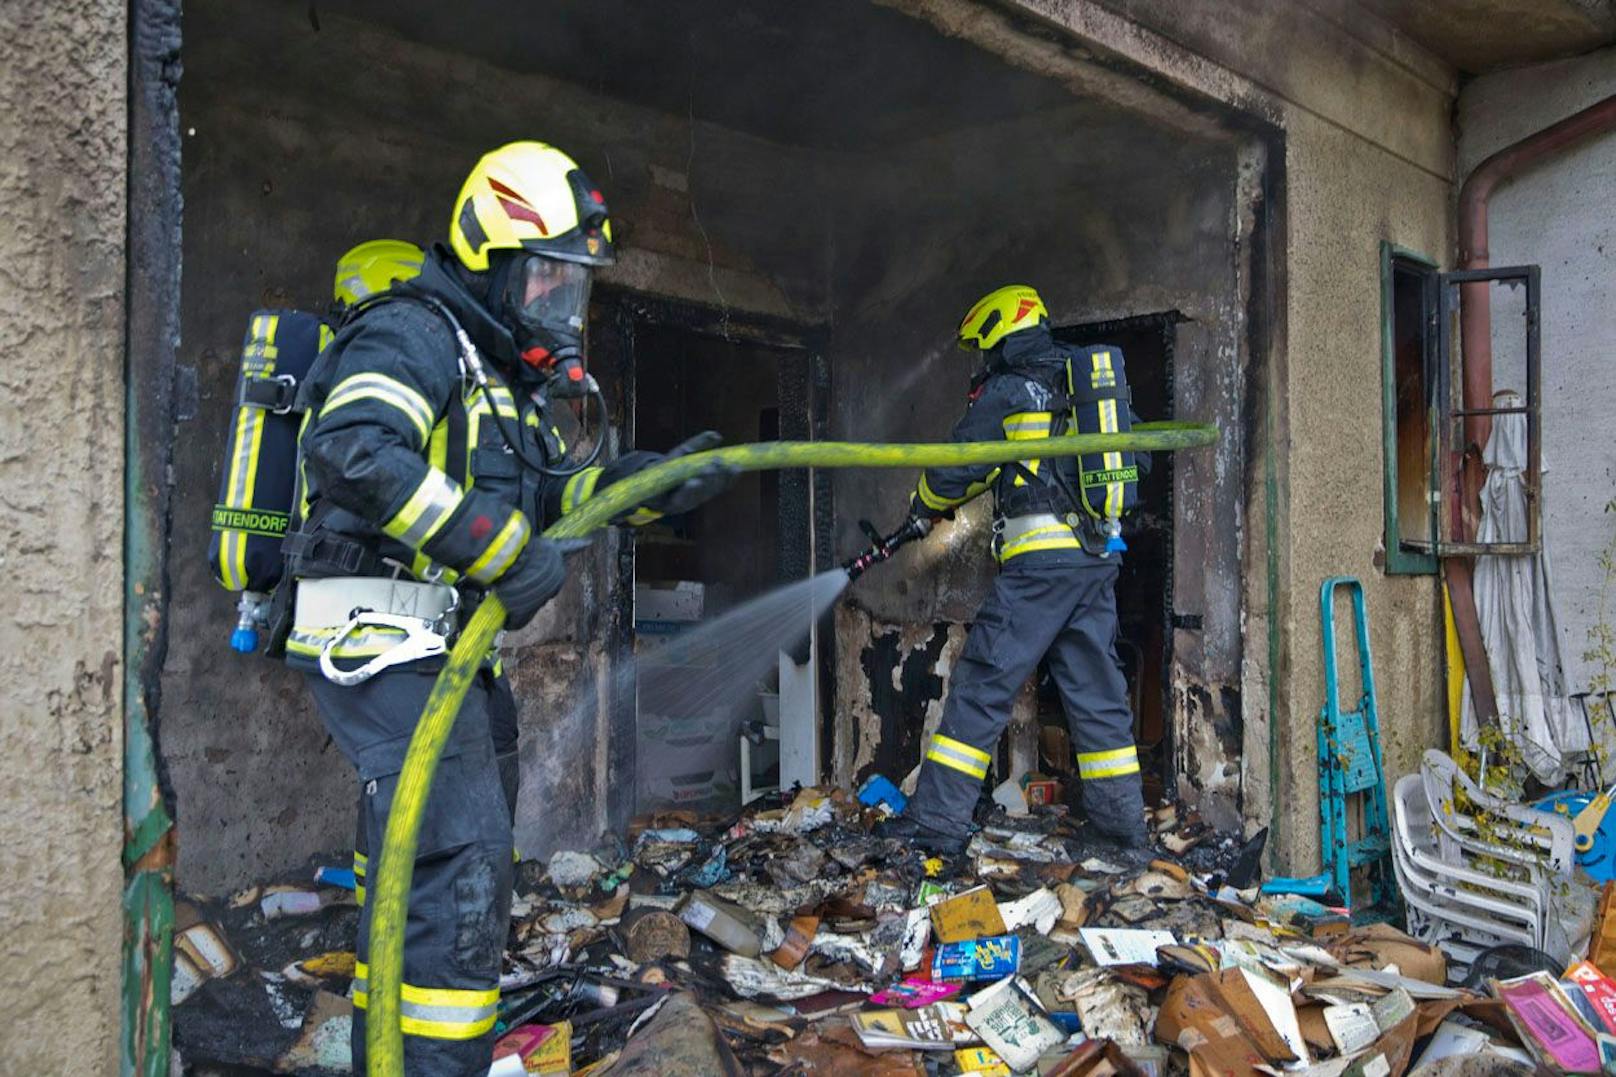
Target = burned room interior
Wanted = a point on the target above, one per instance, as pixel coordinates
(582, 538)
(801, 221)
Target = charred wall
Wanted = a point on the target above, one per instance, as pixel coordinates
(307, 132)
(1112, 215)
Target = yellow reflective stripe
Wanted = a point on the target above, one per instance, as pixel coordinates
(642, 516)
(959, 756)
(976, 489)
(966, 750)
(241, 557)
(1053, 537)
(359, 893)
(233, 559)
(1104, 376)
(243, 465)
(302, 469)
(579, 488)
(501, 550)
(503, 400)
(1112, 460)
(437, 1012)
(270, 350)
(243, 473)
(255, 442)
(437, 448)
(476, 407)
(933, 500)
(432, 503)
(390, 391)
(366, 643)
(1026, 425)
(1108, 764)
(1070, 542)
(261, 344)
(359, 863)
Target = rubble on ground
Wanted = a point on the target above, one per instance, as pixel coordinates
(789, 939)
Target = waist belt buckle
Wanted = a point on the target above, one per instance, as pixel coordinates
(421, 640)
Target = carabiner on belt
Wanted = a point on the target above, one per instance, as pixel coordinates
(422, 639)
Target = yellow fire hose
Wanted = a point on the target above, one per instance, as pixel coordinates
(390, 885)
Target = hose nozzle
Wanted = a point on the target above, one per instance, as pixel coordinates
(884, 546)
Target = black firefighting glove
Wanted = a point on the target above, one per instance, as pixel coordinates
(534, 578)
(707, 483)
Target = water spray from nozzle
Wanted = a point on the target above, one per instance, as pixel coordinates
(884, 546)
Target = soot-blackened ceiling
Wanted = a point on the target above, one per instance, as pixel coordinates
(831, 74)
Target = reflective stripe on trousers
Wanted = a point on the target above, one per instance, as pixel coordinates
(460, 887)
(1041, 605)
(443, 1013)
(1109, 764)
(960, 756)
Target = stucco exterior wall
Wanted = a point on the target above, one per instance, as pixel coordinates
(62, 209)
(1557, 215)
(1345, 196)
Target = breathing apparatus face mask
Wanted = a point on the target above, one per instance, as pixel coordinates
(545, 304)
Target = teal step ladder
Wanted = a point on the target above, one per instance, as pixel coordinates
(1352, 782)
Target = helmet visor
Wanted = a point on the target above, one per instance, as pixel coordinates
(545, 294)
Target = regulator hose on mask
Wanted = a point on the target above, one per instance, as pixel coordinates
(390, 885)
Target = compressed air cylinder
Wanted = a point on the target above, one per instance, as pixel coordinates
(258, 476)
(1102, 404)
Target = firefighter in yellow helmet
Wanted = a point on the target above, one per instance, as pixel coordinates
(373, 267)
(1058, 543)
(368, 269)
(425, 491)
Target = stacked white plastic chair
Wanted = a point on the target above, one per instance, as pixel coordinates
(1476, 871)
(1456, 907)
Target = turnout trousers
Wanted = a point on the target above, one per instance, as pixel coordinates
(1043, 604)
(460, 892)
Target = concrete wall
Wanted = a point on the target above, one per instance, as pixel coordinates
(1109, 213)
(1557, 215)
(1290, 148)
(1362, 120)
(62, 217)
(299, 144)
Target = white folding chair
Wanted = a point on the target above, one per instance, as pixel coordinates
(1542, 843)
(1480, 901)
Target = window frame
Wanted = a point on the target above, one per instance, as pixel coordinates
(1400, 560)
(1452, 414)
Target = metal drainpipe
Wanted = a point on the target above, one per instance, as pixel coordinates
(1476, 345)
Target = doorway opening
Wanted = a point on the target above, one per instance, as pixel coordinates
(686, 369)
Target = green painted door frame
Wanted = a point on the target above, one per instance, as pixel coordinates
(152, 278)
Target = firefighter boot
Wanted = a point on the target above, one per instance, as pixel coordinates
(917, 835)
